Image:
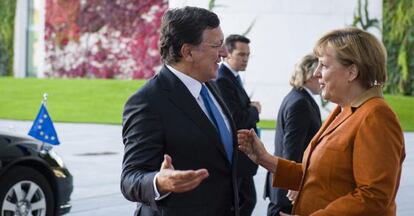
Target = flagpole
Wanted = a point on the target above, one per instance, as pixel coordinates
(44, 101)
(43, 148)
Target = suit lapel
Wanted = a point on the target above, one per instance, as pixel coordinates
(341, 117)
(318, 136)
(182, 98)
(335, 119)
(225, 72)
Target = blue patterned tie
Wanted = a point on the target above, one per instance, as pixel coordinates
(218, 120)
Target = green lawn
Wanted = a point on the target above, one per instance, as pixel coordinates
(101, 101)
(404, 107)
(70, 100)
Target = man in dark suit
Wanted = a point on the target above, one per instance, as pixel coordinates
(298, 121)
(244, 112)
(180, 156)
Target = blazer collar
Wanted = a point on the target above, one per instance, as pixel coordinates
(225, 72)
(375, 91)
(339, 115)
(193, 85)
(235, 73)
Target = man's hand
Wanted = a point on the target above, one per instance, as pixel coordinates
(257, 105)
(178, 181)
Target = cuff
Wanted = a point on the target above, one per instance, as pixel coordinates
(157, 194)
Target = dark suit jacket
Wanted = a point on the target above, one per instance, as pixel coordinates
(244, 115)
(164, 118)
(298, 121)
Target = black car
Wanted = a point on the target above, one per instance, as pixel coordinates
(33, 178)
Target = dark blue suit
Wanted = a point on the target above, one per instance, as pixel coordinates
(245, 116)
(298, 121)
(164, 118)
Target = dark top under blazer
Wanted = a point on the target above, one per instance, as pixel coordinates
(244, 115)
(164, 118)
(298, 121)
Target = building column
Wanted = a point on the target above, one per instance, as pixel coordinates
(20, 38)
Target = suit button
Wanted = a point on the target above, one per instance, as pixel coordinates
(232, 209)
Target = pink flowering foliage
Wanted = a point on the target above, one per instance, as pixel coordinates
(103, 38)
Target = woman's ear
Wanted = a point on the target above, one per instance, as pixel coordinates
(186, 52)
(353, 72)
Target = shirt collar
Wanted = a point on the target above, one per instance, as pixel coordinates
(235, 73)
(310, 93)
(375, 91)
(193, 85)
(307, 90)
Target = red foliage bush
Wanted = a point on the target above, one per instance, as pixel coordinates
(103, 38)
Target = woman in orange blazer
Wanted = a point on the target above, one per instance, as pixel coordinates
(353, 164)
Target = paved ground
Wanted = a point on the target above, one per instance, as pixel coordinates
(93, 154)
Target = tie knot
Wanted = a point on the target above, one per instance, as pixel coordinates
(204, 91)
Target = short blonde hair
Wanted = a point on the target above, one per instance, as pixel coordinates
(356, 46)
(303, 70)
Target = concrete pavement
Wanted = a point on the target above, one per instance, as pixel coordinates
(93, 153)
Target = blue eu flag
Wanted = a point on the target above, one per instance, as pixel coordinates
(43, 128)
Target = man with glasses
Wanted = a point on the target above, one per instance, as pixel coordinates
(180, 155)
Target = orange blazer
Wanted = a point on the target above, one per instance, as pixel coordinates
(352, 165)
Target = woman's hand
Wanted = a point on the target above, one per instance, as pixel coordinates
(251, 145)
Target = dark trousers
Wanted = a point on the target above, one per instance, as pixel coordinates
(247, 196)
(274, 209)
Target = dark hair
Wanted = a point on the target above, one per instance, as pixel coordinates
(183, 25)
(230, 42)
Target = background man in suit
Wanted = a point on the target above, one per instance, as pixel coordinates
(298, 121)
(244, 112)
(179, 156)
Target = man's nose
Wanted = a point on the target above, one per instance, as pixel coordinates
(223, 52)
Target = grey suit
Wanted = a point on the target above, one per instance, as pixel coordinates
(164, 118)
(298, 121)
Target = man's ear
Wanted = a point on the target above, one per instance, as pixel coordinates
(186, 52)
(353, 72)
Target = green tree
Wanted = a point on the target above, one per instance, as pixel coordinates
(7, 13)
(398, 36)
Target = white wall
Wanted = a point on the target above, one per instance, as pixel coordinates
(284, 31)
